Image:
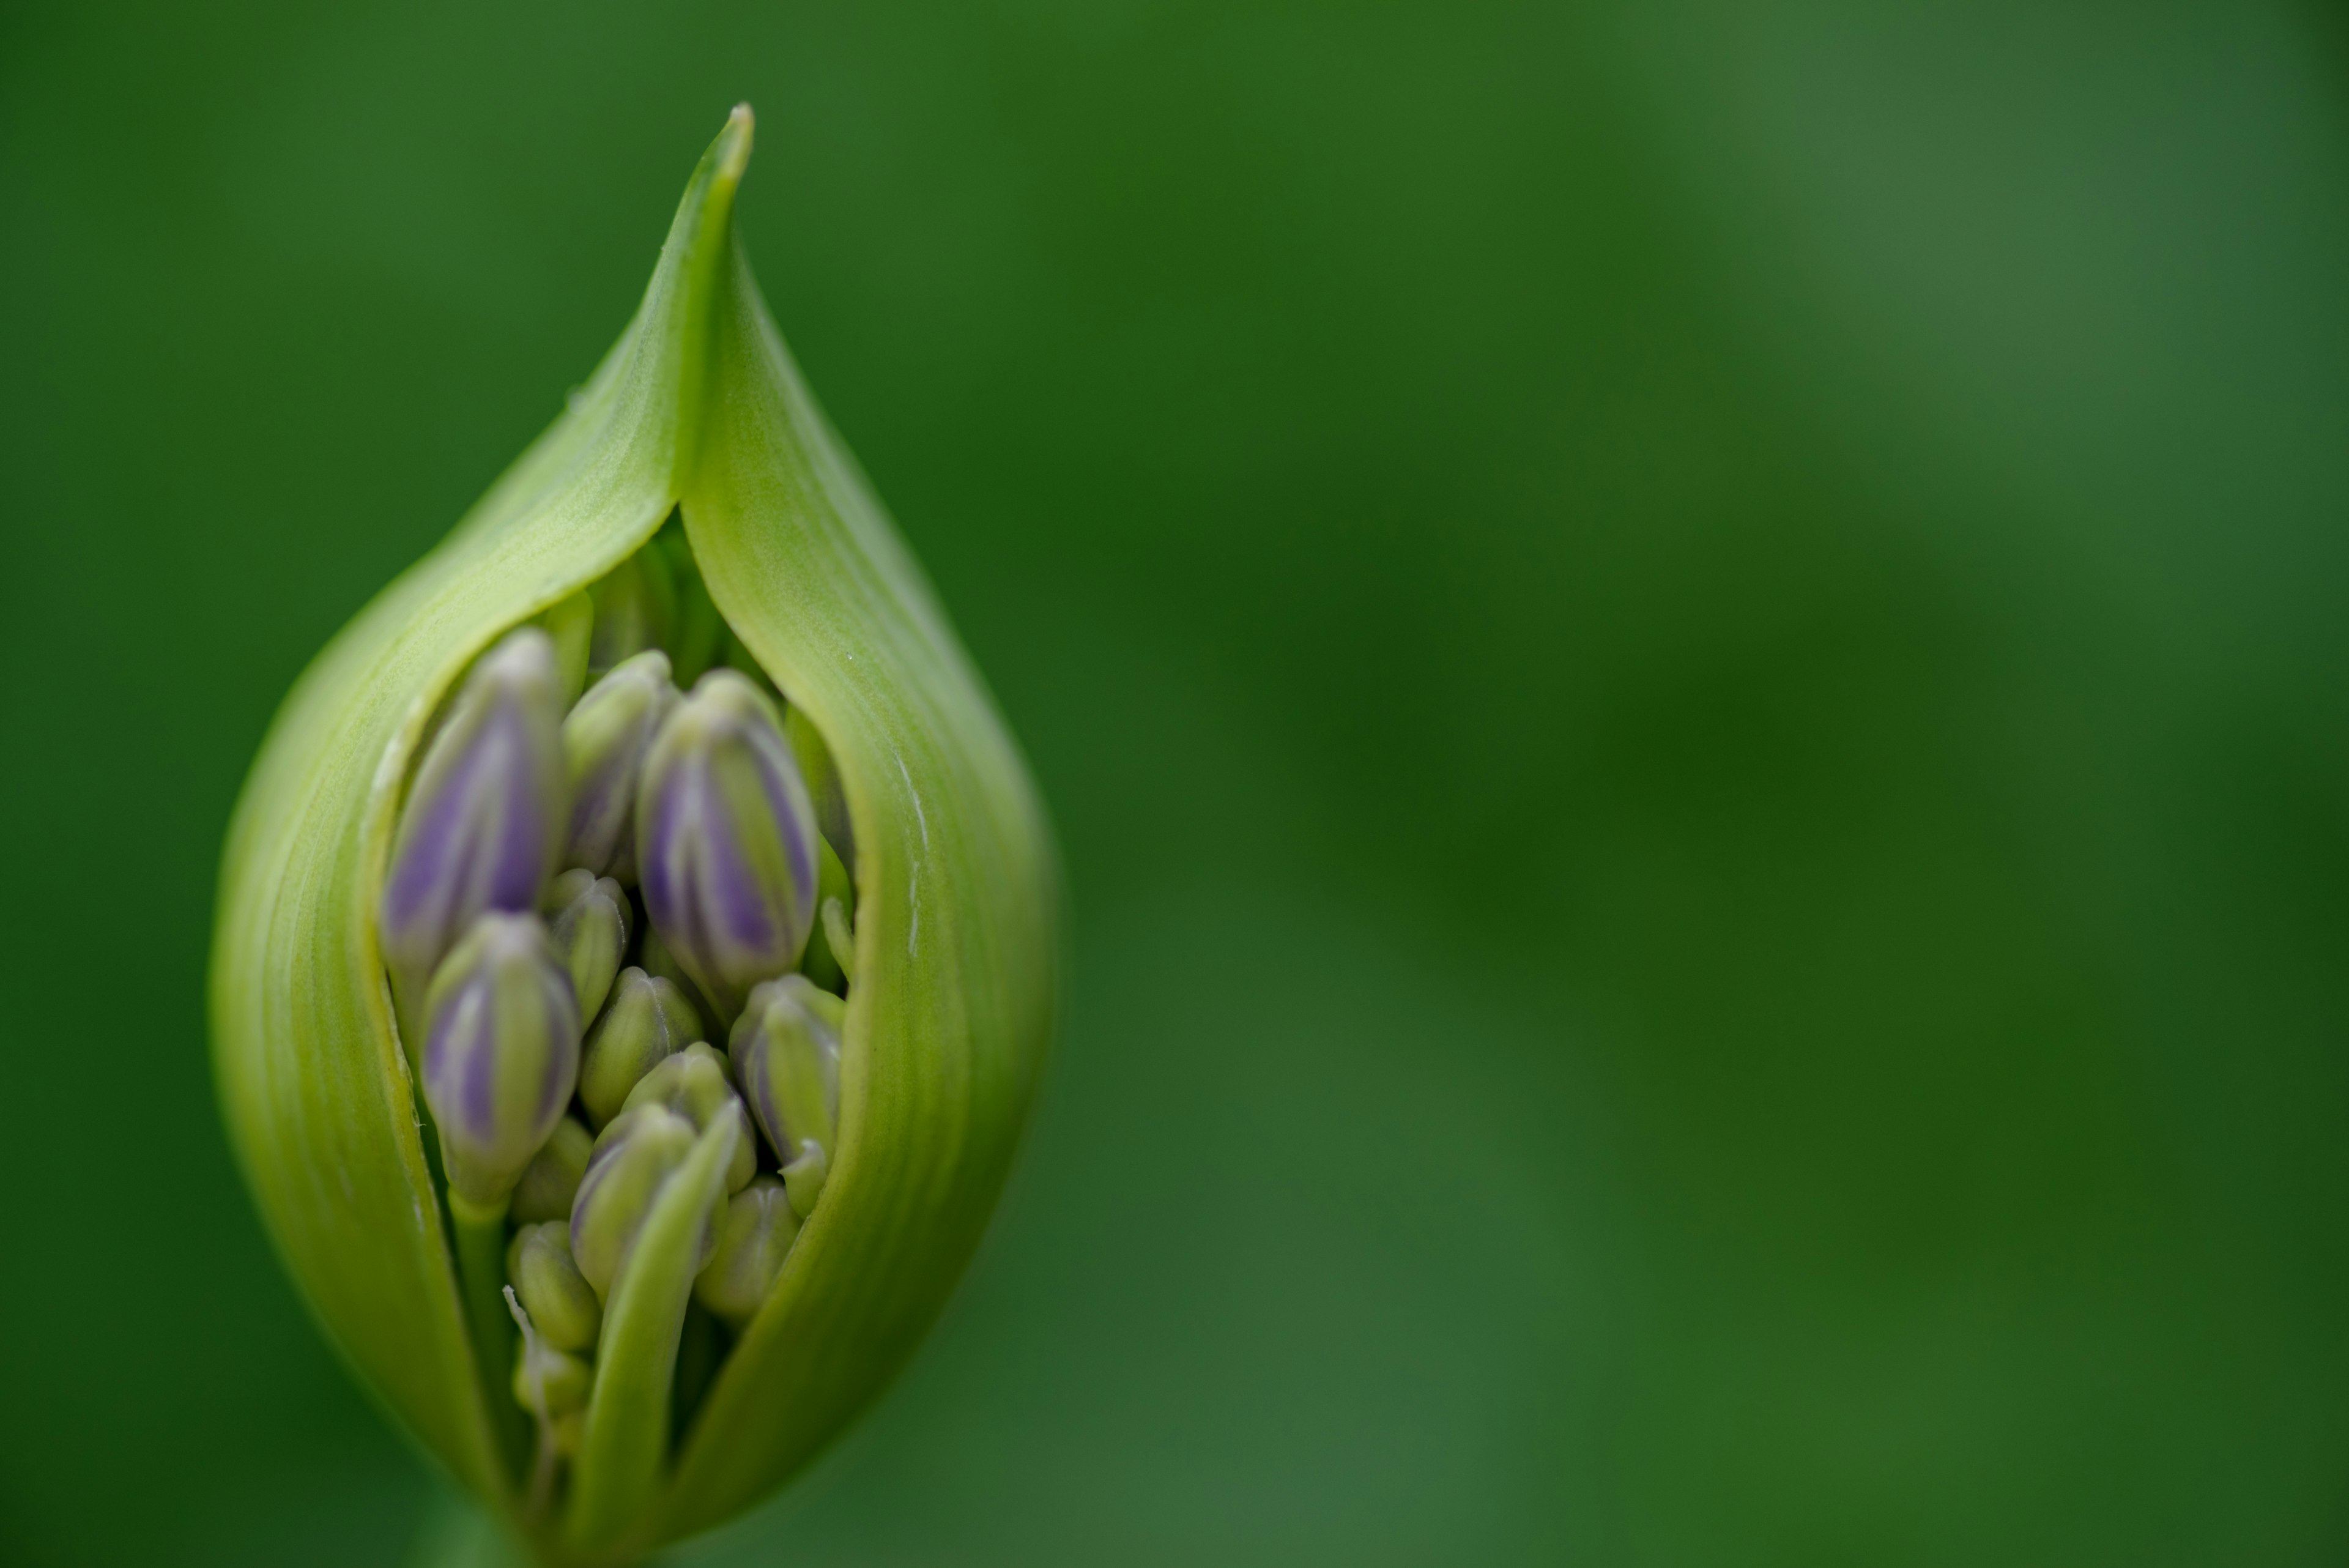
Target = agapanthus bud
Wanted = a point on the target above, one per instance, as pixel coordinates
(549, 1381)
(634, 605)
(500, 1057)
(634, 1158)
(698, 636)
(825, 792)
(786, 1051)
(831, 959)
(603, 744)
(571, 623)
(485, 813)
(364, 839)
(649, 1020)
(726, 840)
(551, 1180)
(696, 1085)
(587, 918)
(754, 1235)
(561, 1304)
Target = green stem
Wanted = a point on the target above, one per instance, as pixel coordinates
(482, 1276)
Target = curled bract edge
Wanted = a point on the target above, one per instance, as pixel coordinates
(954, 949)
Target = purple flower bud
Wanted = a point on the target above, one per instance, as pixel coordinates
(726, 840)
(604, 745)
(485, 813)
(500, 1056)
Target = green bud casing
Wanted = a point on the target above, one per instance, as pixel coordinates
(698, 408)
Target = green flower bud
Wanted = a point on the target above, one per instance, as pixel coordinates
(416, 782)
(604, 745)
(831, 955)
(562, 1305)
(634, 1158)
(695, 1085)
(726, 840)
(786, 1051)
(661, 965)
(551, 1180)
(824, 790)
(478, 832)
(648, 1022)
(587, 918)
(501, 1057)
(549, 1381)
(698, 638)
(635, 602)
(754, 1235)
(570, 623)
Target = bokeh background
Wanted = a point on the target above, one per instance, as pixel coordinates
(1691, 656)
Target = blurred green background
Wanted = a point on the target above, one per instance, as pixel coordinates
(1691, 655)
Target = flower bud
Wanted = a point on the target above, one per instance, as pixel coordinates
(698, 635)
(561, 1303)
(697, 1086)
(634, 605)
(400, 801)
(587, 918)
(634, 1158)
(726, 840)
(603, 744)
(831, 956)
(754, 1235)
(786, 1051)
(649, 1020)
(548, 1381)
(484, 816)
(502, 1057)
(825, 792)
(551, 1180)
(571, 623)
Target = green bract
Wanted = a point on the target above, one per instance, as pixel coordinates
(935, 913)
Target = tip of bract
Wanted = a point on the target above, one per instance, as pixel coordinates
(733, 148)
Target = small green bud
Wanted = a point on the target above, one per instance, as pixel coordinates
(661, 965)
(501, 1055)
(696, 1085)
(587, 917)
(571, 622)
(824, 790)
(561, 1303)
(786, 1051)
(635, 1155)
(754, 1235)
(831, 956)
(649, 1021)
(480, 826)
(726, 840)
(698, 636)
(551, 1180)
(634, 605)
(550, 1382)
(603, 744)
